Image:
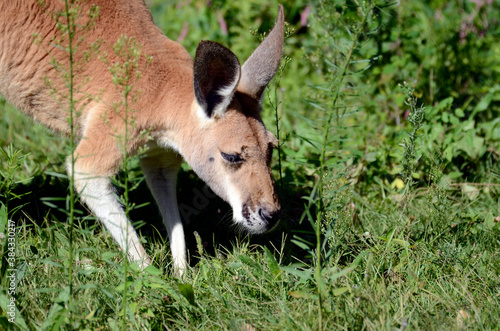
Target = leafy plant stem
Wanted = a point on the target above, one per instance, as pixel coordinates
(333, 112)
(124, 75)
(410, 157)
(276, 105)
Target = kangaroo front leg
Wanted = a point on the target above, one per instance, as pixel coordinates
(97, 193)
(160, 169)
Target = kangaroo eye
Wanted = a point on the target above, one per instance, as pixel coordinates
(232, 158)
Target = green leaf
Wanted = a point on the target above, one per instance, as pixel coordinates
(249, 261)
(113, 324)
(490, 222)
(472, 145)
(107, 255)
(350, 268)
(3, 217)
(340, 290)
(301, 294)
(153, 271)
(469, 125)
(448, 153)
(459, 112)
(471, 191)
(401, 242)
(51, 263)
(483, 104)
(57, 316)
(21, 271)
(370, 157)
(187, 292)
(454, 120)
(272, 263)
(149, 313)
(301, 244)
(56, 174)
(155, 282)
(445, 104)
(303, 274)
(63, 296)
(455, 174)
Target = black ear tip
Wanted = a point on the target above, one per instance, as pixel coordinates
(202, 43)
(205, 46)
(208, 50)
(207, 43)
(216, 73)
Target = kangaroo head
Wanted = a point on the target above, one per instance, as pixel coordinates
(237, 148)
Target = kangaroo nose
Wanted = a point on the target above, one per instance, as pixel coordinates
(271, 218)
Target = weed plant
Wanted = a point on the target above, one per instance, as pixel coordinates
(71, 99)
(374, 235)
(338, 63)
(125, 73)
(410, 148)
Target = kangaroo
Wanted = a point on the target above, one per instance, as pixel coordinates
(205, 111)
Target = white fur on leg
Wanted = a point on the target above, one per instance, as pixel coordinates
(97, 194)
(160, 170)
(178, 246)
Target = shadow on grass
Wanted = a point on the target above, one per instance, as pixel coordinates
(44, 198)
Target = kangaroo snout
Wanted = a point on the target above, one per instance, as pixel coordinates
(258, 219)
(272, 217)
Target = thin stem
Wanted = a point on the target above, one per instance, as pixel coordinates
(70, 31)
(127, 205)
(278, 133)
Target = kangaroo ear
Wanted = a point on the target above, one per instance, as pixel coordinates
(261, 66)
(216, 76)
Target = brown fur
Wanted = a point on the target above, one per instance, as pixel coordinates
(24, 65)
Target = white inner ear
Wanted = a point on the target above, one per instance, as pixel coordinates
(202, 114)
(226, 93)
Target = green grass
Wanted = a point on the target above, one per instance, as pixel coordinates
(408, 239)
